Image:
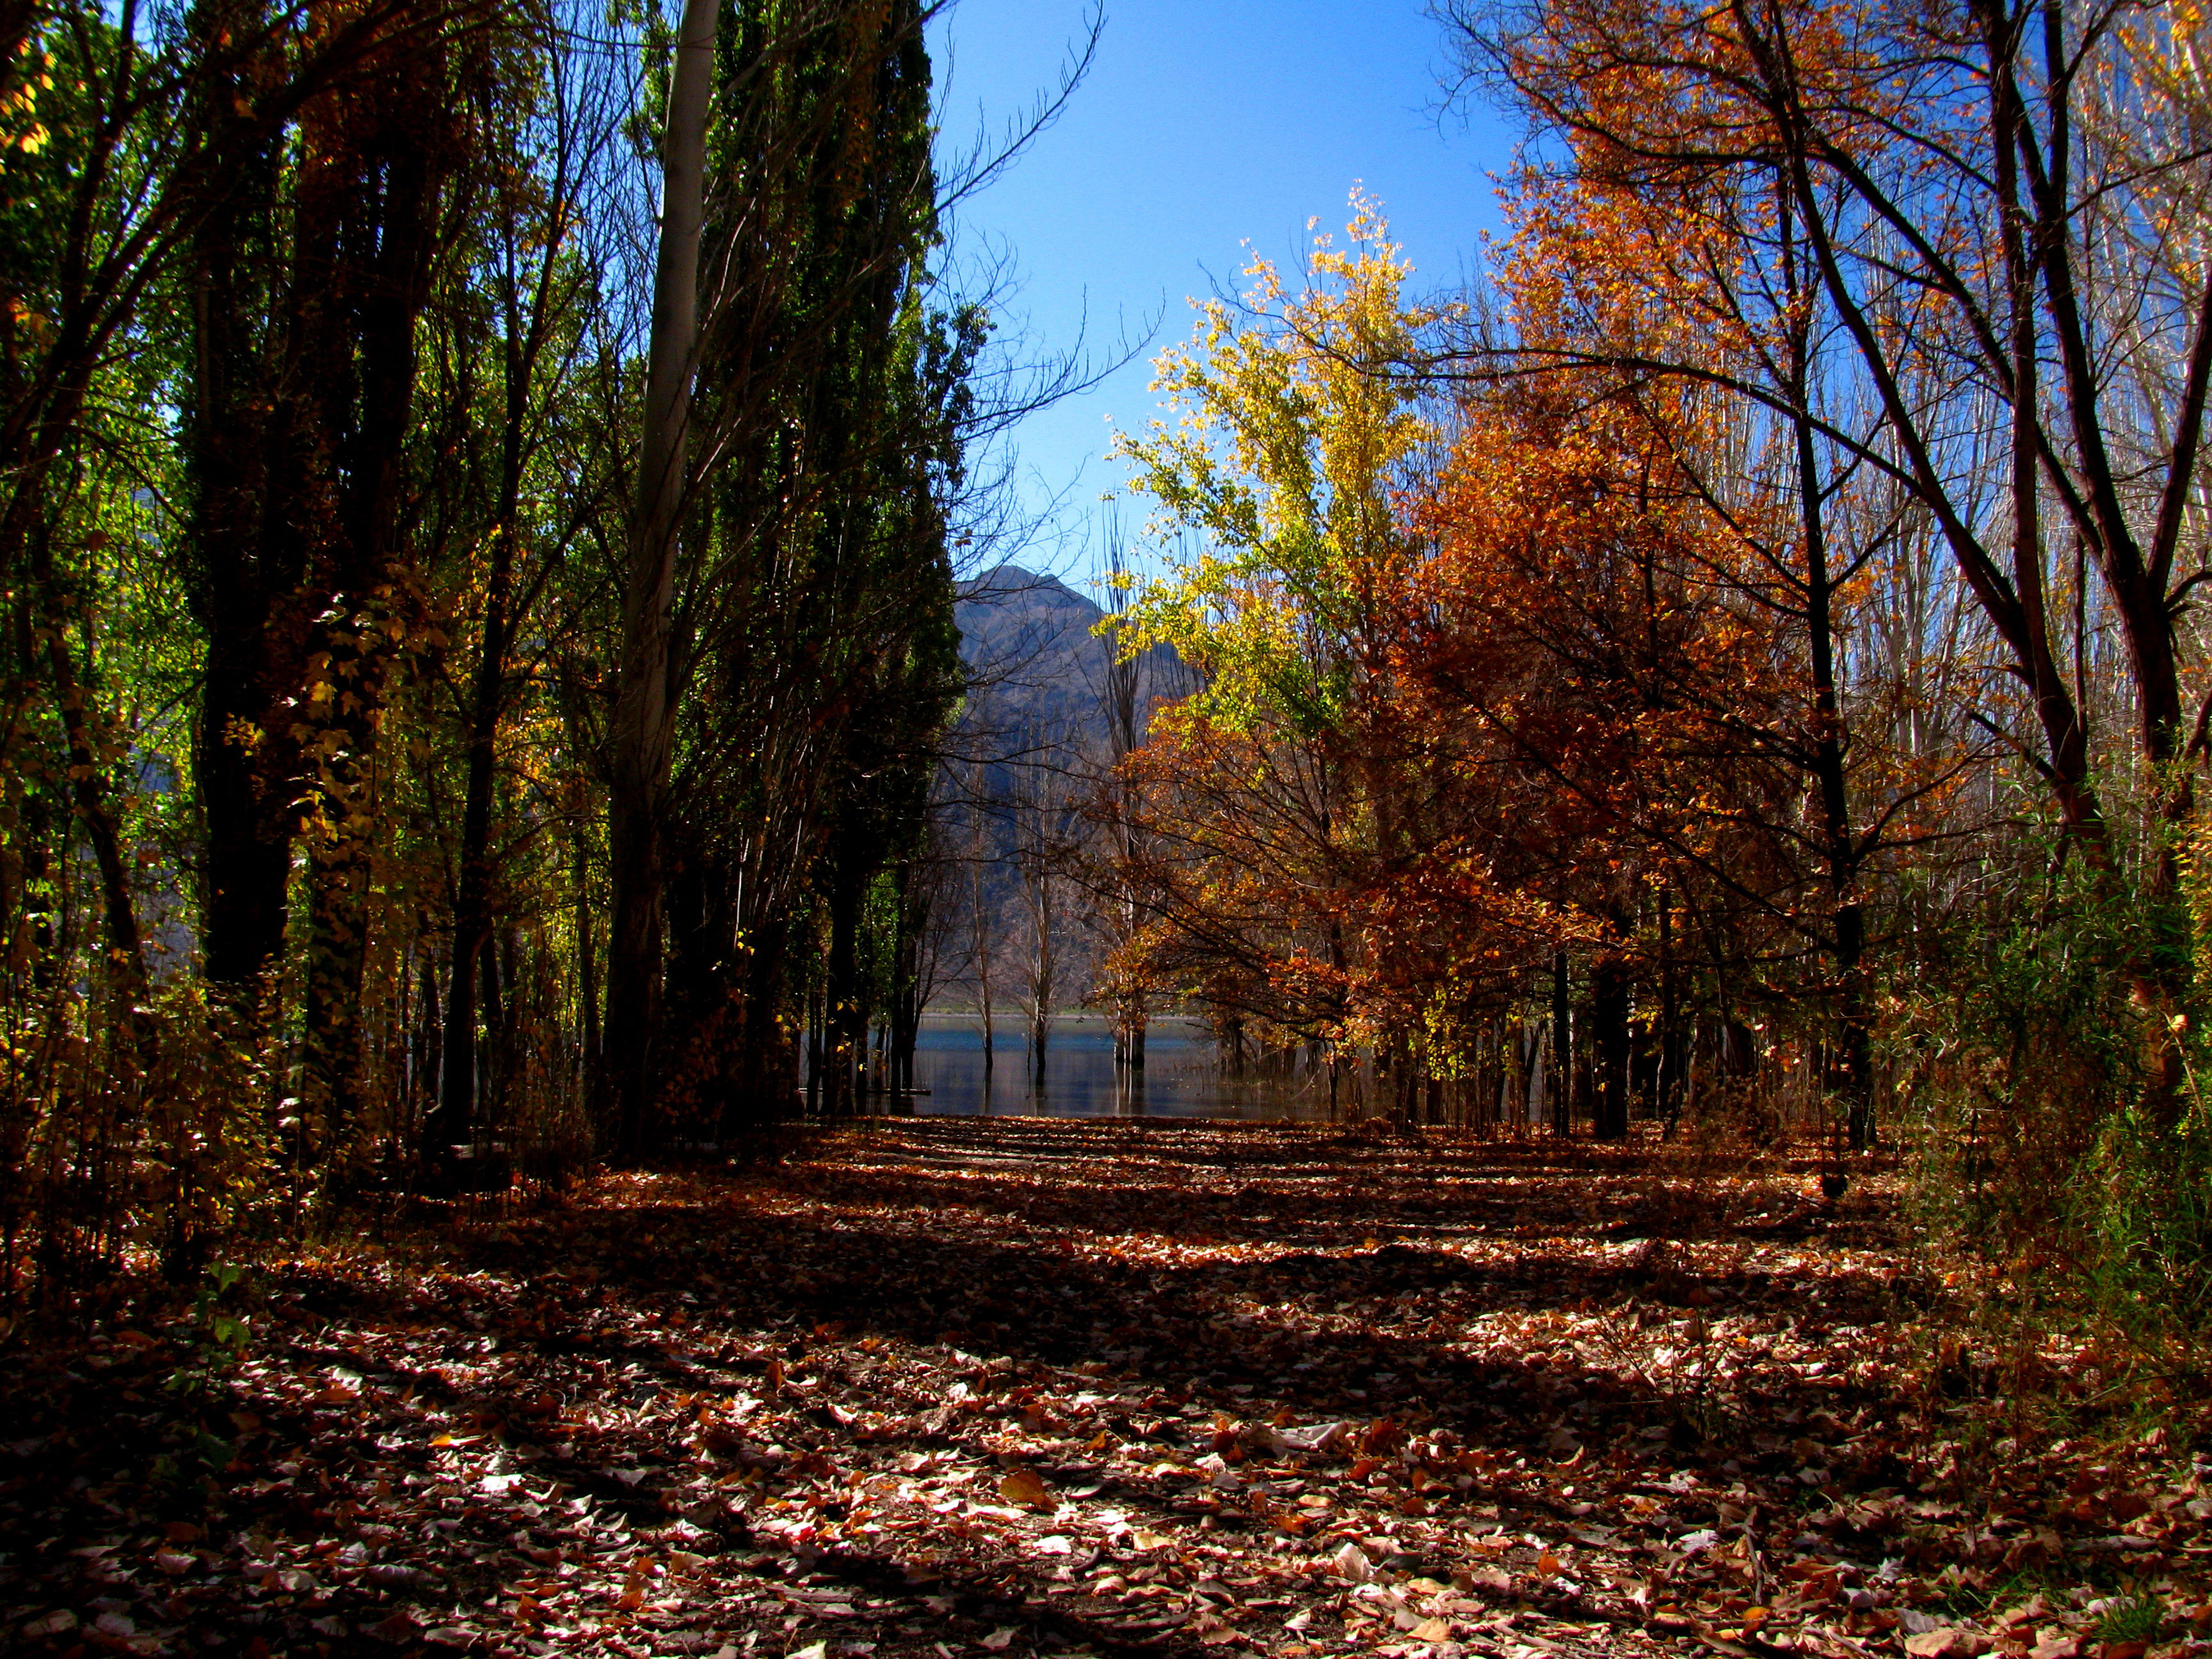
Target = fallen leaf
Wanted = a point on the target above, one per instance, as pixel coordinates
(1944, 1642)
(399, 1626)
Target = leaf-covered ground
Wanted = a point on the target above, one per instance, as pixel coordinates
(955, 1388)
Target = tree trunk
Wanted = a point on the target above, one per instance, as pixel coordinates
(383, 277)
(845, 1020)
(454, 1121)
(588, 965)
(644, 717)
(429, 1035)
(913, 912)
(1563, 1069)
(89, 790)
(1847, 934)
(768, 1081)
(243, 761)
(1611, 1043)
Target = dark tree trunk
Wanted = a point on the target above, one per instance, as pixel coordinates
(913, 912)
(430, 1035)
(1611, 1044)
(588, 965)
(1562, 1069)
(845, 1027)
(369, 235)
(768, 1077)
(454, 1120)
(1670, 1035)
(238, 524)
(1847, 938)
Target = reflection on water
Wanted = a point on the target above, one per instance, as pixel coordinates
(1182, 1075)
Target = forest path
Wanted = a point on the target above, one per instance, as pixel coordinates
(936, 1387)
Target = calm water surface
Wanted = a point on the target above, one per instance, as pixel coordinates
(1183, 1075)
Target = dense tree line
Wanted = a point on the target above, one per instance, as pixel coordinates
(1745, 659)
(477, 481)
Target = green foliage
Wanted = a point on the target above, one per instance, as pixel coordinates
(2047, 1143)
(2142, 1201)
(2146, 1206)
(822, 656)
(222, 1333)
(2012, 1039)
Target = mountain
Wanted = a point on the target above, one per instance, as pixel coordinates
(1034, 739)
(1039, 668)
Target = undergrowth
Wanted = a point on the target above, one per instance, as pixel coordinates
(2058, 1191)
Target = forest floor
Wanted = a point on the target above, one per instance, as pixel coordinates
(961, 1387)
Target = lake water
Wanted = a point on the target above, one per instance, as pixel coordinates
(1183, 1075)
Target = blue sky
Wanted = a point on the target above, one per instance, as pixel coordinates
(1203, 124)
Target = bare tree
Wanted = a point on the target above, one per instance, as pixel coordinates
(981, 929)
(1041, 813)
(1122, 695)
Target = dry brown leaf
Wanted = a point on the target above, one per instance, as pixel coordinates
(1944, 1642)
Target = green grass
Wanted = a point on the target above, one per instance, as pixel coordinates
(2136, 1619)
(1968, 1602)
